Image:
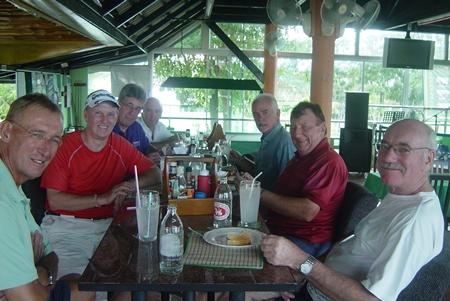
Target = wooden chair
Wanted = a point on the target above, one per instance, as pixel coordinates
(441, 183)
(216, 135)
(441, 166)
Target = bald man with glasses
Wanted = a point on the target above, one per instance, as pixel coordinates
(391, 244)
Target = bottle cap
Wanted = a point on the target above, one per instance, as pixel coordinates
(200, 195)
(204, 172)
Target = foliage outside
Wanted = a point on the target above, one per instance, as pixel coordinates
(7, 96)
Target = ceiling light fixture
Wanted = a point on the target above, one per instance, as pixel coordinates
(434, 19)
(209, 8)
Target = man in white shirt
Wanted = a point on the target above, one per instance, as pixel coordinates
(156, 132)
(390, 244)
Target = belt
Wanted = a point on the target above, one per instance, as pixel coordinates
(48, 212)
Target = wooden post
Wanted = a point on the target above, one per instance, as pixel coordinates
(322, 64)
(270, 67)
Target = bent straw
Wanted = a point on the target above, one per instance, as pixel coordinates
(138, 200)
(253, 183)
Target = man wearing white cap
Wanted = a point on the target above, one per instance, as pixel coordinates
(85, 184)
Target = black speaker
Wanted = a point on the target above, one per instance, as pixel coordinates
(356, 110)
(355, 147)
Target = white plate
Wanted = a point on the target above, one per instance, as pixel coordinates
(218, 237)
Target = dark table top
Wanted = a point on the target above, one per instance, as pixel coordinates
(123, 263)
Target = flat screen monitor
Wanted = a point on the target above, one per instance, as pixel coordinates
(408, 53)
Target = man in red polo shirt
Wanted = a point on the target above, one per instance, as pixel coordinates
(86, 183)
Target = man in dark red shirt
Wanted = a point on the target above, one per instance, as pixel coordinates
(310, 190)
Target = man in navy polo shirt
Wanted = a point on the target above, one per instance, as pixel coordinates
(132, 99)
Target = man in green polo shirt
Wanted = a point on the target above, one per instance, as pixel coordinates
(30, 136)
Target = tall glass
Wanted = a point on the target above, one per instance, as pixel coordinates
(147, 211)
(249, 195)
(225, 146)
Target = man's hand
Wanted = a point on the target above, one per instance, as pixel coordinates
(37, 242)
(281, 251)
(155, 157)
(117, 194)
(235, 156)
(118, 202)
(238, 178)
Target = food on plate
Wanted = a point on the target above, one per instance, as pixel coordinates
(239, 240)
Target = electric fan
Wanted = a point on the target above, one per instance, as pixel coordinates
(334, 12)
(273, 42)
(285, 12)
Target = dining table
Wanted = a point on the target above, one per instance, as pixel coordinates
(124, 263)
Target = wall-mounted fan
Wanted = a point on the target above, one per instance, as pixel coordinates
(416, 114)
(285, 12)
(366, 15)
(274, 42)
(334, 13)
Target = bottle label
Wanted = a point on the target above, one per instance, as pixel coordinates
(170, 245)
(221, 211)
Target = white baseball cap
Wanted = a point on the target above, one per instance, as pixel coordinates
(100, 96)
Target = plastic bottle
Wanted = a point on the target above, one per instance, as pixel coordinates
(172, 170)
(192, 146)
(171, 238)
(223, 205)
(175, 189)
(181, 178)
(204, 182)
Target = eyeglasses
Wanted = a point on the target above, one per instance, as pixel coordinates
(39, 138)
(130, 106)
(401, 151)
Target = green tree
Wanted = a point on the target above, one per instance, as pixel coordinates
(7, 96)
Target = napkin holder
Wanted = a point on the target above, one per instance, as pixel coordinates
(191, 206)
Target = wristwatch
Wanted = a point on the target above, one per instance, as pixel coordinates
(50, 275)
(307, 266)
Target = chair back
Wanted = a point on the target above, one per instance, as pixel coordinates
(216, 135)
(36, 194)
(433, 279)
(441, 183)
(357, 203)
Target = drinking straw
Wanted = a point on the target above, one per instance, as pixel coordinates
(253, 182)
(138, 201)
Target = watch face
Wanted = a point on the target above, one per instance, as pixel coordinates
(306, 268)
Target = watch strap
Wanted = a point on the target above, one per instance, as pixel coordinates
(309, 263)
(49, 273)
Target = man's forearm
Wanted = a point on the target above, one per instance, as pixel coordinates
(294, 207)
(59, 200)
(171, 141)
(337, 286)
(246, 164)
(49, 261)
(149, 177)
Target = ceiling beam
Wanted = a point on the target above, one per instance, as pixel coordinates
(183, 12)
(135, 10)
(238, 52)
(161, 36)
(79, 11)
(160, 12)
(109, 6)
